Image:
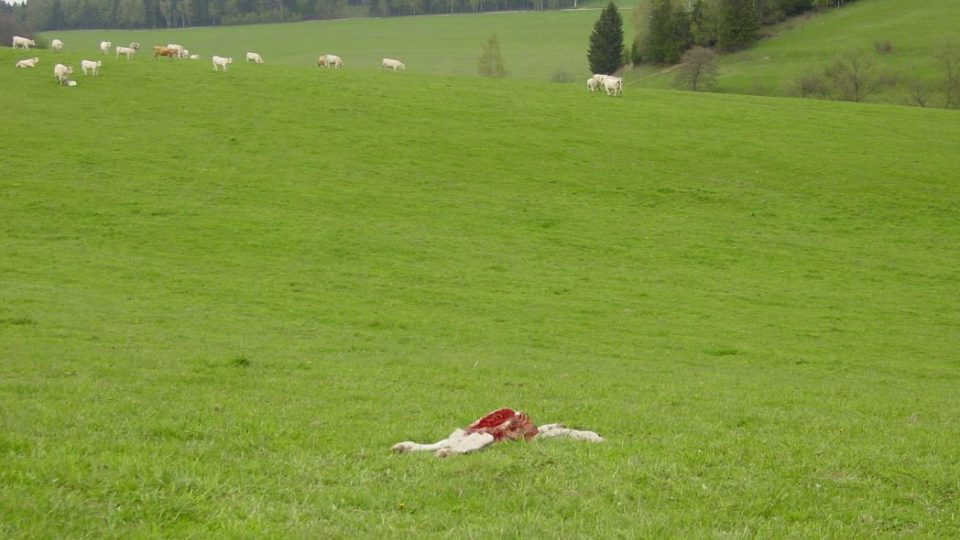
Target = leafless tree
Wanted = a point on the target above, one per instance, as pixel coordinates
(698, 69)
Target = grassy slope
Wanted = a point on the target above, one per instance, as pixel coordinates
(804, 45)
(535, 45)
(222, 297)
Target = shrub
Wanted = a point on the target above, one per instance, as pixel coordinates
(812, 84)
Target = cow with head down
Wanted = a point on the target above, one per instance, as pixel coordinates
(159, 50)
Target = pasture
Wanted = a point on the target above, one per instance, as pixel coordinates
(223, 296)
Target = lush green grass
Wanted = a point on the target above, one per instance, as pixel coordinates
(808, 44)
(535, 45)
(224, 296)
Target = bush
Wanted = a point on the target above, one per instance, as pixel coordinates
(883, 47)
(698, 69)
(812, 84)
(852, 76)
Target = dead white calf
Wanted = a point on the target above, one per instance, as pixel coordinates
(56, 45)
(613, 86)
(23, 43)
(390, 63)
(499, 425)
(28, 62)
(194, 56)
(254, 57)
(126, 51)
(61, 72)
(93, 67)
(219, 62)
(105, 47)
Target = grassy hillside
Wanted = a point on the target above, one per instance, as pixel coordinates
(808, 44)
(224, 296)
(535, 45)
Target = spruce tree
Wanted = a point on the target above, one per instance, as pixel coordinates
(605, 54)
(739, 25)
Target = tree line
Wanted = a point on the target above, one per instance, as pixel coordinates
(40, 15)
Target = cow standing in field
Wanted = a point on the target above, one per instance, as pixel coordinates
(56, 45)
(254, 57)
(61, 72)
(390, 63)
(330, 60)
(219, 61)
(126, 51)
(159, 50)
(93, 67)
(23, 43)
(593, 84)
(28, 62)
(499, 425)
(105, 47)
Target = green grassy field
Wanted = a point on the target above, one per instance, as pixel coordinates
(224, 296)
(808, 44)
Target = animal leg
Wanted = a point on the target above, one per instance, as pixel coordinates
(559, 430)
(461, 443)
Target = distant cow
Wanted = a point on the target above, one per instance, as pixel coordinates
(56, 45)
(613, 86)
(105, 47)
(126, 51)
(391, 63)
(159, 50)
(254, 57)
(330, 60)
(593, 84)
(94, 67)
(134, 45)
(61, 72)
(220, 62)
(28, 62)
(23, 43)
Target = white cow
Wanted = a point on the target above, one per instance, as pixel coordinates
(499, 425)
(56, 45)
(94, 67)
(183, 53)
(391, 63)
(134, 45)
(28, 62)
(23, 43)
(221, 62)
(126, 51)
(61, 72)
(105, 47)
(330, 60)
(613, 86)
(175, 47)
(254, 57)
(593, 84)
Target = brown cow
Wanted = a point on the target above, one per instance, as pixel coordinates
(164, 51)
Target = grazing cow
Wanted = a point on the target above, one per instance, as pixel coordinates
(105, 47)
(28, 62)
(23, 43)
(56, 45)
(330, 60)
(499, 425)
(159, 50)
(254, 57)
(219, 62)
(61, 72)
(126, 51)
(613, 86)
(391, 63)
(593, 84)
(94, 67)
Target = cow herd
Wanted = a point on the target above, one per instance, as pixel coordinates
(612, 85)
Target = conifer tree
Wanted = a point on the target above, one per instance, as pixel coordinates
(605, 54)
(739, 25)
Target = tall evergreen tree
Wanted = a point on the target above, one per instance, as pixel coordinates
(670, 32)
(605, 54)
(739, 24)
